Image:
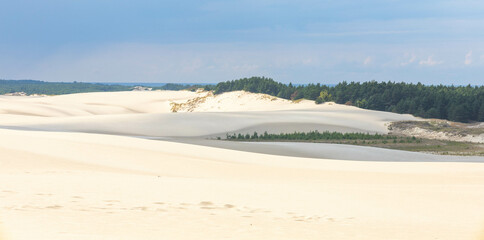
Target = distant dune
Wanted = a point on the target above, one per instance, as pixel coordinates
(68, 180)
(149, 114)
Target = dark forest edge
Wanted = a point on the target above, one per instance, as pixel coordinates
(389, 141)
(455, 103)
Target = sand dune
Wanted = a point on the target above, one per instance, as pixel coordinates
(78, 185)
(148, 114)
(328, 151)
(67, 185)
(213, 123)
(88, 104)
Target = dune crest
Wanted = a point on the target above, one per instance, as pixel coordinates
(198, 114)
(240, 101)
(76, 177)
(107, 103)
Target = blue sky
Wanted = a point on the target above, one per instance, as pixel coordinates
(210, 41)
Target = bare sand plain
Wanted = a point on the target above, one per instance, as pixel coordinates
(63, 177)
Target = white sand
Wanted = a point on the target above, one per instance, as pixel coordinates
(69, 185)
(148, 114)
(88, 104)
(328, 151)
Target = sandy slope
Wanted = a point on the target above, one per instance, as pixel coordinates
(88, 104)
(327, 151)
(78, 186)
(68, 185)
(148, 114)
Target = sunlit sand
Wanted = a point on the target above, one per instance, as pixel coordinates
(63, 177)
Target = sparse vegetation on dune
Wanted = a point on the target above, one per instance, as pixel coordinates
(440, 129)
(443, 126)
(191, 104)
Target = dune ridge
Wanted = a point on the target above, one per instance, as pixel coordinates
(86, 104)
(70, 180)
(149, 114)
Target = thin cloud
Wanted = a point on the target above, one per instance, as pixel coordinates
(430, 62)
(411, 60)
(356, 33)
(468, 59)
(206, 62)
(368, 60)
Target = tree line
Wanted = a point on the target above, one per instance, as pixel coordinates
(455, 103)
(312, 135)
(57, 88)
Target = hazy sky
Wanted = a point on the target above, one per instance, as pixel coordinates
(435, 41)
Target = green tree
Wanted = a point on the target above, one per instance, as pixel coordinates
(324, 96)
(480, 115)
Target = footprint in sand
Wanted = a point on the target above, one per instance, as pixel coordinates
(140, 208)
(44, 194)
(54, 207)
(111, 202)
(206, 205)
